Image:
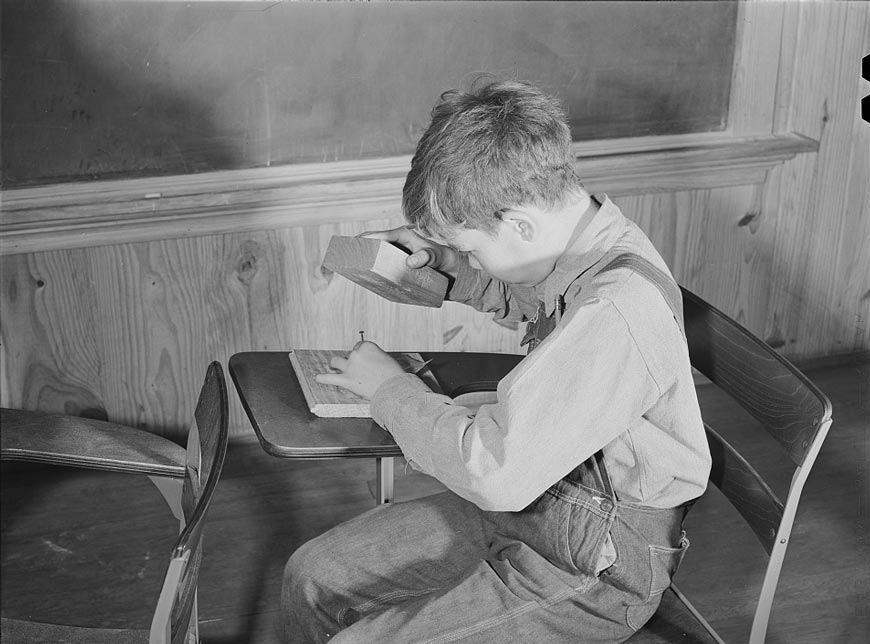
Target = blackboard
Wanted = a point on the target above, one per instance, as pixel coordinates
(95, 90)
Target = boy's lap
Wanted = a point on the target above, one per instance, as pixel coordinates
(483, 606)
(416, 544)
(426, 570)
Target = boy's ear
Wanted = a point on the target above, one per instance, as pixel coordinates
(521, 223)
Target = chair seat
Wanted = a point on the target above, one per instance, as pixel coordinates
(83, 442)
(672, 624)
(15, 631)
(187, 477)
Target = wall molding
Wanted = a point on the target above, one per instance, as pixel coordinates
(80, 215)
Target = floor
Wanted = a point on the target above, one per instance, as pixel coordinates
(71, 537)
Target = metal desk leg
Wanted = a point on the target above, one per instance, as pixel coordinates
(385, 480)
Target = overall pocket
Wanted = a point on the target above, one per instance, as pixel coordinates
(663, 563)
(566, 525)
(590, 522)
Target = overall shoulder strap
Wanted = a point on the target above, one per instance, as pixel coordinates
(594, 466)
(661, 280)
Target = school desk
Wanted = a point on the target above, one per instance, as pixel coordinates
(273, 400)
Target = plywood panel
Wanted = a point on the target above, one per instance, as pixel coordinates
(126, 330)
(151, 297)
(51, 356)
(822, 205)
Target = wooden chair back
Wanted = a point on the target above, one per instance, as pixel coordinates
(781, 398)
(784, 402)
(789, 407)
(175, 616)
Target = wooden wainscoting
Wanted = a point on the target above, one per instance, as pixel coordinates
(114, 297)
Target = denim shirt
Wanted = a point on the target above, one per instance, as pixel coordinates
(614, 375)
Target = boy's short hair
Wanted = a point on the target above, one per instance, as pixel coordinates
(502, 145)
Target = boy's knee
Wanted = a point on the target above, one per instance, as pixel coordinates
(301, 572)
(313, 574)
(299, 560)
(304, 594)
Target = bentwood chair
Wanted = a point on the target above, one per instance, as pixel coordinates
(761, 396)
(789, 409)
(187, 478)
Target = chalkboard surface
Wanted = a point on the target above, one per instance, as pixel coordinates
(102, 89)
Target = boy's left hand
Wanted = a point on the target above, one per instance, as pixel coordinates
(364, 369)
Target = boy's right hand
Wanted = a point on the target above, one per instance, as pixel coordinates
(424, 252)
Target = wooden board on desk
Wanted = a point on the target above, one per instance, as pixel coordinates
(329, 401)
(380, 267)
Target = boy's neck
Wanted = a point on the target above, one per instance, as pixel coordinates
(574, 218)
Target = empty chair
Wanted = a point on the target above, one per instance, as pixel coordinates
(186, 477)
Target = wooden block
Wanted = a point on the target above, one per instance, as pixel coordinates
(380, 267)
(329, 401)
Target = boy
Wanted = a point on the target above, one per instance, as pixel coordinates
(563, 519)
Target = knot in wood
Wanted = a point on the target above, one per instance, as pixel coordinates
(247, 266)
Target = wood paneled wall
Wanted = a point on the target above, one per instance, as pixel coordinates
(125, 330)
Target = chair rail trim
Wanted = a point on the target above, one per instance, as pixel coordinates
(86, 214)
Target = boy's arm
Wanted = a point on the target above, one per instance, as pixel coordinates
(572, 396)
(509, 304)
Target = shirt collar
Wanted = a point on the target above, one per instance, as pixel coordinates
(595, 233)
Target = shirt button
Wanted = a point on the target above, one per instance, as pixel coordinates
(607, 505)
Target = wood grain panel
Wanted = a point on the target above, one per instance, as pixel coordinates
(51, 356)
(123, 330)
(821, 201)
(757, 66)
(152, 299)
(704, 237)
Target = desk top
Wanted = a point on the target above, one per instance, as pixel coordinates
(276, 407)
